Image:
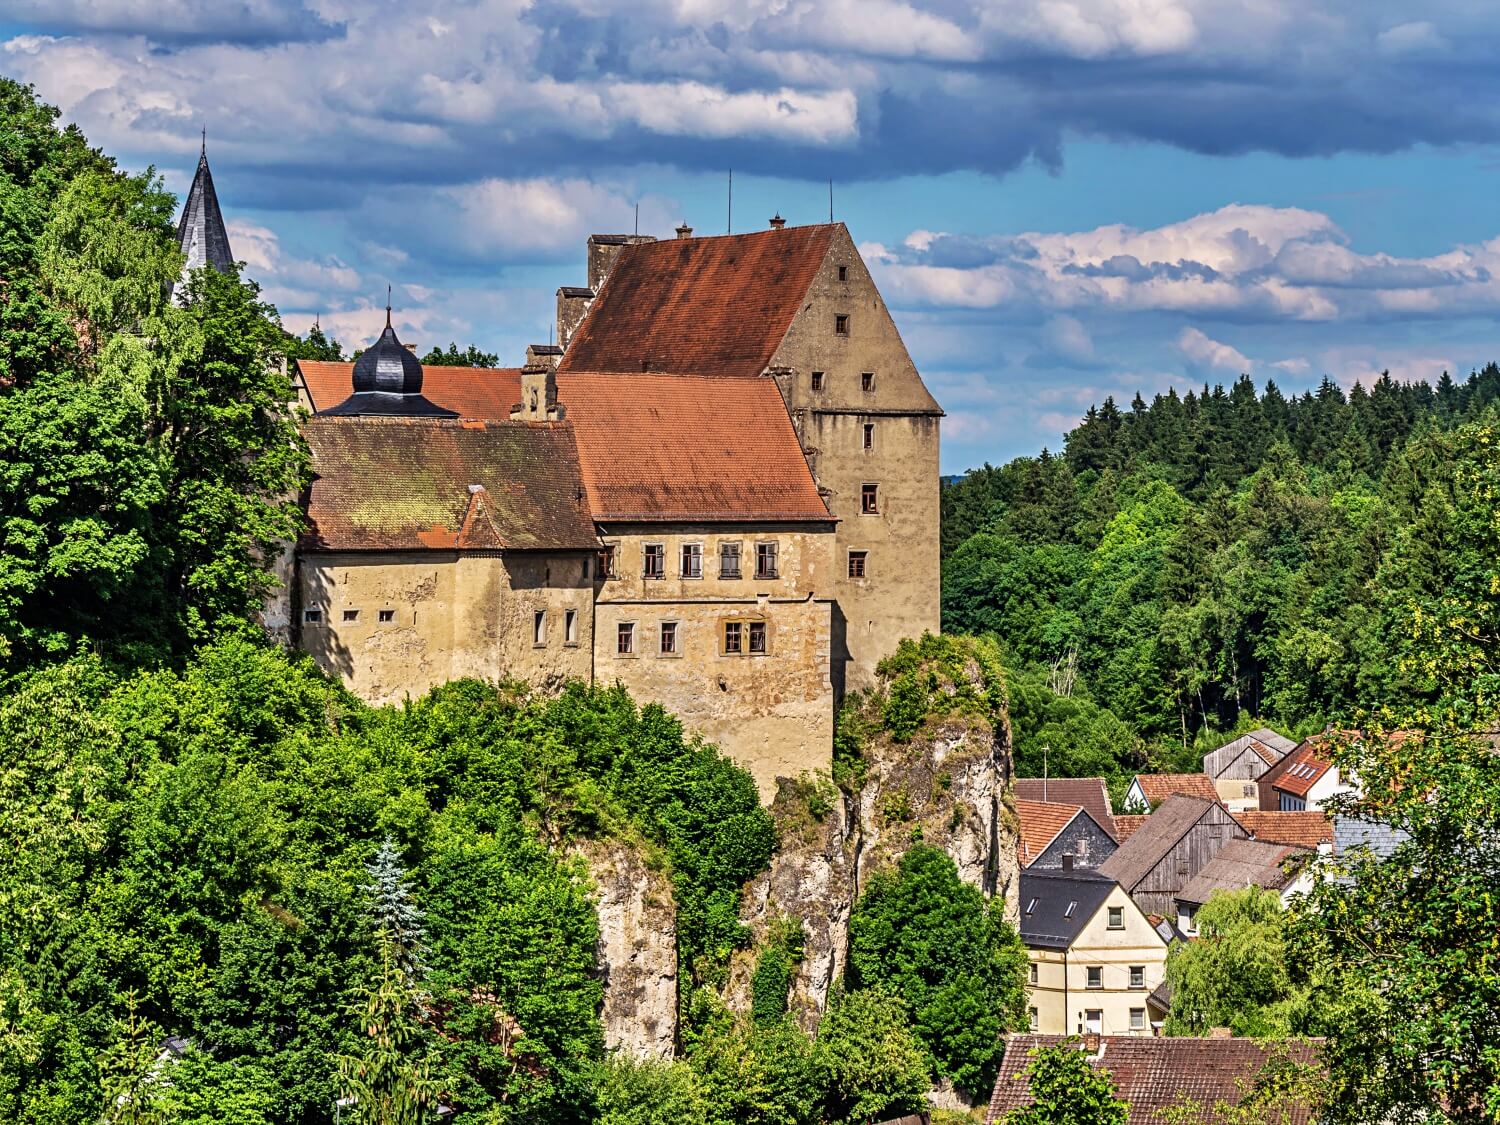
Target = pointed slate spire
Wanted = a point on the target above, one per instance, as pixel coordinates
(200, 232)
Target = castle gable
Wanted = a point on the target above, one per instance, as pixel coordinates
(401, 484)
(715, 306)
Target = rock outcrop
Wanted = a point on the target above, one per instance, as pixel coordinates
(945, 782)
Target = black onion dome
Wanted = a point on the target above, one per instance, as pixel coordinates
(388, 366)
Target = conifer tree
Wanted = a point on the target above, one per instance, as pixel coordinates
(397, 917)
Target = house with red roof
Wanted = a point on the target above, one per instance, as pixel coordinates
(1054, 836)
(1148, 790)
(1303, 780)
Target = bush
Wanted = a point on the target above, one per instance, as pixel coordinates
(869, 1060)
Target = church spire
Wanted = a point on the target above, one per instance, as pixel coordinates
(200, 232)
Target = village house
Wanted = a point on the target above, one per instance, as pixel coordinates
(1236, 767)
(1091, 793)
(1311, 830)
(719, 489)
(1245, 863)
(1148, 790)
(1094, 956)
(1051, 834)
(1162, 1079)
(1303, 780)
(1173, 845)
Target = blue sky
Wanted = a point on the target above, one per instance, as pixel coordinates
(1061, 199)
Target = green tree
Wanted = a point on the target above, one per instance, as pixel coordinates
(469, 357)
(756, 1074)
(921, 934)
(1237, 974)
(389, 1079)
(649, 1092)
(1067, 1090)
(869, 1061)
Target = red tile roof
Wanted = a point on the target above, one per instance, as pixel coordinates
(1159, 786)
(1127, 823)
(1089, 792)
(1299, 829)
(1040, 824)
(428, 484)
(1302, 770)
(1155, 1074)
(702, 306)
(474, 392)
(679, 447)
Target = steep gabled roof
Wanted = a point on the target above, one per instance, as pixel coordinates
(1302, 770)
(1056, 905)
(657, 448)
(1159, 786)
(1127, 823)
(1155, 1074)
(1299, 829)
(425, 484)
(1154, 839)
(713, 307)
(1089, 792)
(485, 393)
(1040, 825)
(1243, 863)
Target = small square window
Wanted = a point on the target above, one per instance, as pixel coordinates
(312, 616)
(655, 561)
(625, 638)
(765, 560)
(1137, 1019)
(1116, 917)
(843, 273)
(817, 380)
(733, 637)
(729, 560)
(539, 627)
(869, 499)
(669, 638)
(869, 438)
(857, 563)
(351, 615)
(867, 380)
(1138, 976)
(1096, 976)
(387, 616)
(692, 560)
(841, 324)
(570, 627)
(1033, 972)
(757, 638)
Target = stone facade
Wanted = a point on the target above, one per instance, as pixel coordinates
(1082, 843)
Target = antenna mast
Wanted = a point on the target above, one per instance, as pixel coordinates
(730, 225)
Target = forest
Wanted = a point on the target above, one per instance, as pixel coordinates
(234, 893)
(1189, 568)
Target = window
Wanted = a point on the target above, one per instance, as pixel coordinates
(817, 380)
(539, 627)
(765, 560)
(1031, 906)
(869, 435)
(1034, 1020)
(1116, 917)
(655, 561)
(1137, 1019)
(1033, 972)
(1138, 976)
(857, 563)
(387, 616)
(841, 324)
(843, 273)
(867, 380)
(869, 498)
(692, 560)
(1093, 1021)
(607, 563)
(669, 638)
(351, 615)
(729, 560)
(733, 637)
(757, 638)
(625, 638)
(1096, 976)
(1072, 906)
(312, 616)
(570, 627)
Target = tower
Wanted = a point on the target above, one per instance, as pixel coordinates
(200, 232)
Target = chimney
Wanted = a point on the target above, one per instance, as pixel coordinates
(538, 394)
(777, 222)
(543, 355)
(1220, 1033)
(684, 231)
(1067, 862)
(603, 249)
(572, 306)
(1093, 1044)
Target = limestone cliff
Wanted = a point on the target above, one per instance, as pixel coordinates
(934, 764)
(637, 947)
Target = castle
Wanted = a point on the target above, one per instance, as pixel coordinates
(719, 489)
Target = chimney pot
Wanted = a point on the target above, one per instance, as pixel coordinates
(684, 231)
(777, 222)
(1067, 863)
